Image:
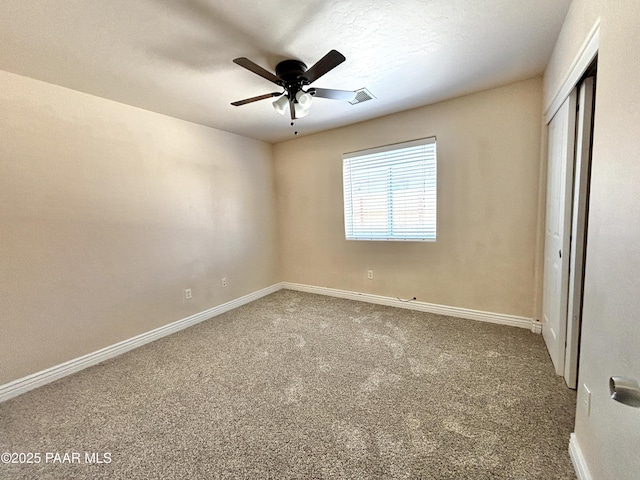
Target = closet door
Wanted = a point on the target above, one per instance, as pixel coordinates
(579, 229)
(557, 230)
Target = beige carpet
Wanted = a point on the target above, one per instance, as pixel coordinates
(304, 386)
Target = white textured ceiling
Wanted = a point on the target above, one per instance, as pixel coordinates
(175, 56)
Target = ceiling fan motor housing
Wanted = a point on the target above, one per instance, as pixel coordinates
(291, 70)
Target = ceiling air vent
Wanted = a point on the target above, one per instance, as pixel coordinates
(362, 95)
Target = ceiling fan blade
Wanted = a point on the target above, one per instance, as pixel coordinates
(345, 95)
(257, 69)
(330, 61)
(255, 99)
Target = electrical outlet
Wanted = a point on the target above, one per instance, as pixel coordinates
(586, 399)
(223, 282)
(187, 294)
(370, 274)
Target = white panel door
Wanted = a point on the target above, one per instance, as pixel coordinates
(557, 230)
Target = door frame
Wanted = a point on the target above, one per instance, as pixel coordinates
(581, 64)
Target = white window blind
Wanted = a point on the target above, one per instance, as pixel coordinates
(390, 192)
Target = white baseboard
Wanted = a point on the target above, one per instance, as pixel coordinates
(577, 458)
(38, 379)
(499, 318)
(22, 385)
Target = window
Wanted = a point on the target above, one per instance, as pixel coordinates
(390, 192)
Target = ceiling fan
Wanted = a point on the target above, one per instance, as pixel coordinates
(294, 76)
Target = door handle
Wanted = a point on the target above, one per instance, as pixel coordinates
(625, 390)
(560, 253)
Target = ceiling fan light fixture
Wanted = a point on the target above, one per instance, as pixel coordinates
(304, 99)
(301, 111)
(281, 104)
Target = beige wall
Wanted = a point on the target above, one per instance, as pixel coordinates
(108, 212)
(610, 436)
(488, 168)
